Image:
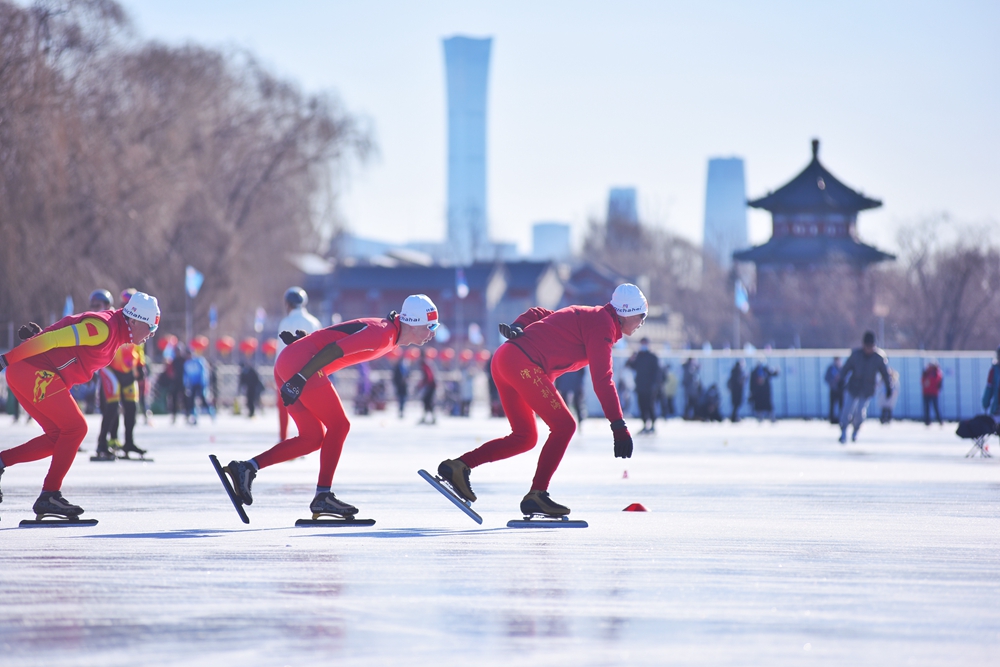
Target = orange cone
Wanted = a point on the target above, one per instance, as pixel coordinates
(635, 507)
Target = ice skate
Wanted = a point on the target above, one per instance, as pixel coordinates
(540, 511)
(132, 449)
(243, 474)
(326, 504)
(51, 509)
(854, 435)
(102, 453)
(234, 497)
(538, 502)
(843, 437)
(446, 489)
(456, 474)
(114, 444)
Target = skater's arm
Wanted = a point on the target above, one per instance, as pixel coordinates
(292, 389)
(89, 331)
(598, 346)
(531, 315)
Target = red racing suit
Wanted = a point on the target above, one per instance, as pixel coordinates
(525, 368)
(41, 371)
(319, 414)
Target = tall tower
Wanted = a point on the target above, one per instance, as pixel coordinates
(467, 63)
(725, 210)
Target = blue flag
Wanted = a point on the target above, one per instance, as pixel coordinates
(192, 281)
(461, 287)
(742, 299)
(68, 308)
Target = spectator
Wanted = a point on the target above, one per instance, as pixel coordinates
(930, 385)
(737, 378)
(570, 387)
(669, 392)
(858, 376)
(887, 400)
(991, 394)
(427, 387)
(760, 391)
(251, 384)
(832, 379)
(692, 387)
(647, 381)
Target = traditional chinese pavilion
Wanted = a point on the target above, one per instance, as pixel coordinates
(814, 229)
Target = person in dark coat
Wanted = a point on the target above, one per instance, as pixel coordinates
(647, 383)
(400, 373)
(737, 378)
(760, 391)
(250, 382)
(692, 387)
(858, 376)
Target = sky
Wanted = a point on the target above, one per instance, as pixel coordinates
(904, 97)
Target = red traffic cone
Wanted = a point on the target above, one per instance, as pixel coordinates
(635, 507)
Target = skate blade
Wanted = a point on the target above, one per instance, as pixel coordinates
(103, 458)
(446, 490)
(224, 478)
(334, 520)
(55, 521)
(141, 457)
(546, 521)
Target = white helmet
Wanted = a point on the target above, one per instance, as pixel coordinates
(629, 300)
(144, 308)
(419, 310)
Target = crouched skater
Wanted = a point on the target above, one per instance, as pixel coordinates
(40, 373)
(541, 346)
(301, 372)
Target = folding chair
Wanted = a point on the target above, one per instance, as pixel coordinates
(979, 428)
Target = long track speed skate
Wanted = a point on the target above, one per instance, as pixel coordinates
(52, 510)
(55, 521)
(546, 521)
(334, 521)
(445, 489)
(233, 496)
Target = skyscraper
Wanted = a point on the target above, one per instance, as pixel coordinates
(621, 205)
(725, 209)
(550, 240)
(467, 63)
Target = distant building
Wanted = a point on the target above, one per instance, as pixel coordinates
(550, 240)
(725, 229)
(621, 206)
(814, 231)
(467, 63)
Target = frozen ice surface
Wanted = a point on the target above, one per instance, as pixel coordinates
(765, 544)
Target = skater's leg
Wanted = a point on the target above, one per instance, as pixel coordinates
(317, 393)
(46, 399)
(524, 433)
(282, 418)
(331, 412)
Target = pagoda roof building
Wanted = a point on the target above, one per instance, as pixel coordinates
(814, 222)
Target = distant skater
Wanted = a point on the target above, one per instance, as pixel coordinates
(858, 377)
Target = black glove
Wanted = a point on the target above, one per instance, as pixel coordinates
(287, 337)
(392, 316)
(510, 332)
(291, 390)
(28, 330)
(623, 439)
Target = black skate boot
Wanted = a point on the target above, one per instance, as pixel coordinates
(102, 453)
(130, 448)
(456, 473)
(538, 502)
(327, 503)
(51, 503)
(243, 474)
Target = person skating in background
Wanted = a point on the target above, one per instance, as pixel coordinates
(302, 372)
(832, 379)
(51, 361)
(297, 318)
(737, 379)
(178, 399)
(570, 387)
(858, 377)
(541, 345)
(400, 382)
(692, 387)
(196, 377)
(427, 388)
(991, 393)
(647, 382)
(761, 399)
(930, 387)
(251, 386)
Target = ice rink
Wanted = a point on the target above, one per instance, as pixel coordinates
(765, 544)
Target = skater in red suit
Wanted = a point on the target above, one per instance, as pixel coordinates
(41, 371)
(301, 372)
(541, 346)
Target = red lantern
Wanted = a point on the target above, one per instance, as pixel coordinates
(199, 343)
(270, 347)
(447, 354)
(163, 342)
(248, 346)
(483, 355)
(466, 355)
(225, 344)
(396, 353)
(412, 353)
(431, 353)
